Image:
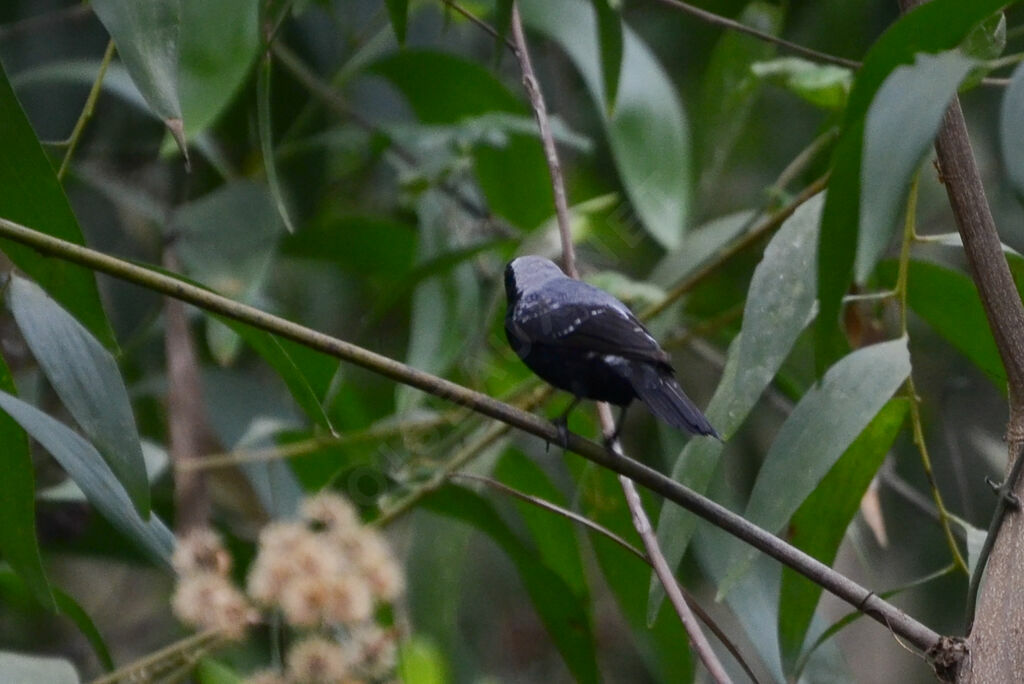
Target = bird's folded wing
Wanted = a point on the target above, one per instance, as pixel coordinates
(601, 329)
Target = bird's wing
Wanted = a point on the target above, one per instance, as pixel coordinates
(590, 324)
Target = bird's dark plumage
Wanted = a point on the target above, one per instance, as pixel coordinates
(585, 341)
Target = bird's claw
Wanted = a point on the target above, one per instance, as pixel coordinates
(562, 425)
(1011, 499)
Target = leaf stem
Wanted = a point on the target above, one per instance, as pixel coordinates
(87, 110)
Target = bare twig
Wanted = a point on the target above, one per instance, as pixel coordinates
(916, 633)
(87, 110)
(479, 23)
(547, 140)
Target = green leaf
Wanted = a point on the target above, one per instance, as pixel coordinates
(555, 536)
(219, 43)
(899, 129)
(728, 89)
(609, 40)
(398, 12)
(987, 40)
(819, 525)
(780, 303)
(70, 609)
(86, 378)
(823, 85)
(30, 194)
(444, 89)
(932, 27)
(565, 618)
(210, 671)
(699, 246)
(90, 472)
(146, 36)
(16, 668)
(266, 135)
(18, 543)
(818, 431)
(975, 537)
(421, 662)
(1011, 130)
(648, 131)
(948, 301)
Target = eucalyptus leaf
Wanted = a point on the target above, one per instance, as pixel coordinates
(823, 85)
(90, 472)
(16, 668)
(86, 378)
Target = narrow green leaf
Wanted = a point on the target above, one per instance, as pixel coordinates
(729, 89)
(899, 129)
(90, 472)
(931, 27)
(565, 618)
(700, 245)
(648, 131)
(70, 609)
(16, 668)
(266, 134)
(86, 378)
(210, 671)
(818, 431)
(609, 40)
(555, 536)
(780, 303)
(1011, 130)
(398, 12)
(146, 35)
(987, 40)
(18, 543)
(819, 525)
(219, 43)
(30, 194)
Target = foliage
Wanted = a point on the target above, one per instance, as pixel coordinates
(367, 168)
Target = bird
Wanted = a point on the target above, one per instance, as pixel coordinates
(584, 341)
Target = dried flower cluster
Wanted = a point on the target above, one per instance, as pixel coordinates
(326, 573)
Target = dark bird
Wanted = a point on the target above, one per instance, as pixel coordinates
(585, 341)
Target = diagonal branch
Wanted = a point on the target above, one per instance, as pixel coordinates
(916, 633)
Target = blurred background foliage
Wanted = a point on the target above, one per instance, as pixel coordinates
(374, 191)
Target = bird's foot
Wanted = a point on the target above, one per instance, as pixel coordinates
(1000, 488)
(562, 425)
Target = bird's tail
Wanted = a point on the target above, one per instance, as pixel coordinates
(666, 399)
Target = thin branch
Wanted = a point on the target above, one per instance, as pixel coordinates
(87, 110)
(733, 25)
(540, 112)
(918, 634)
(605, 532)
(554, 508)
(640, 521)
(479, 23)
(770, 223)
(156, 663)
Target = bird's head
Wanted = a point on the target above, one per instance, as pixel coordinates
(527, 273)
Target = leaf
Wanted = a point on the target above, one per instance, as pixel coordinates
(398, 11)
(899, 129)
(948, 301)
(421, 662)
(30, 194)
(146, 35)
(818, 431)
(819, 525)
(266, 134)
(86, 378)
(563, 615)
(987, 40)
(19, 545)
(16, 668)
(609, 40)
(555, 536)
(445, 89)
(823, 85)
(932, 27)
(90, 472)
(699, 245)
(975, 537)
(70, 609)
(729, 89)
(210, 671)
(648, 131)
(218, 46)
(1011, 130)
(780, 303)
